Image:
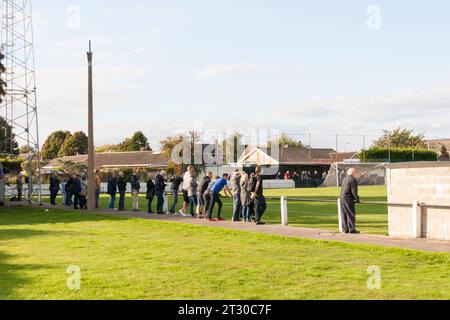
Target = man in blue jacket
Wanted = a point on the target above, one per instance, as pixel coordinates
(219, 185)
(112, 191)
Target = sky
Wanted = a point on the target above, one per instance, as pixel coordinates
(350, 67)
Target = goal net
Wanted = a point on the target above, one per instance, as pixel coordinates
(369, 174)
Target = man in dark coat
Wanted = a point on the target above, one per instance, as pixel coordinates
(69, 193)
(260, 205)
(112, 191)
(122, 186)
(76, 190)
(349, 196)
(54, 188)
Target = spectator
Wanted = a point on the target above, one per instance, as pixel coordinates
(63, 191)
(192, 194)
(83, 193)
(287, 176)
(175, 189)
(260, 205)
(160, 188)
(219, 185)
(69, 194)
(135, 187)
(207, 195)
(206, 181)
(349, 196)
(112, 191)
(245, 198)
(236, 188)
(76, 191)
(150, 195)
(122, 187)
(186, 182)
(54, 188)
(98, 186)
(19, 185)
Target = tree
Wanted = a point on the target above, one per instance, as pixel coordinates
(168, 145)
(232, 143)
(25, 149)
(108, 148)
(285, 141)
(137, 142)
(400, 138)
(52, 146)
(73, 145)
(8, 143)
(71, 167)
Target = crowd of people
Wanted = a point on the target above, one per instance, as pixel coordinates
(200, 197)
(302, 176)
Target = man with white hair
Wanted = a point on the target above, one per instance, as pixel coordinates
(349, 196)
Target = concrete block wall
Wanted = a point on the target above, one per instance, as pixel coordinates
(428, 183)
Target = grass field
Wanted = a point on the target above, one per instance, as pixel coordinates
(371, 219)
(141, 259)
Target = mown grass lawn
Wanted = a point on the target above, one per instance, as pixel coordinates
(371, 219)
(124, 258)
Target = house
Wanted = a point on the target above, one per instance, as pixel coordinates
(346, 157)
(437, 144)
(310, 164)
(115, 160)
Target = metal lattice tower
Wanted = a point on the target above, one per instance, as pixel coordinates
(20, 103)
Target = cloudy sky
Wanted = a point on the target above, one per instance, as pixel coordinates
(324, 67)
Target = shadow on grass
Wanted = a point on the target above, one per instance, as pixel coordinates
(24, 215)
(12, 275)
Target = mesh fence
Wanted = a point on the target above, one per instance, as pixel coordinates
(369, 174)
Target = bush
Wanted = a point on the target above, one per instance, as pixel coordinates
(11, 165)
(398, 155)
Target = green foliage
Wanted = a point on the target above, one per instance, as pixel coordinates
(233, 142)
(8, 143)
(53, 144)
(285, 141)
(74, 145)
(137, 142)
(71, 167)
(168, 146)
(376, 154)
(400, 138)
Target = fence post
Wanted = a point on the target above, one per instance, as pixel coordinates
(341, 229)
(284, 211)
(417, 220)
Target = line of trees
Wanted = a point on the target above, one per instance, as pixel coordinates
(63, 143)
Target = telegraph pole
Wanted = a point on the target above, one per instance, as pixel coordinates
(91, 150)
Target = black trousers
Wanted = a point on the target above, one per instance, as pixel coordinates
(348, 216)
(53, 195)
(260, 207)
(76, 200)
(19, 194)
(215, 198)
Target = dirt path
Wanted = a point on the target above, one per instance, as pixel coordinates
(296, 232)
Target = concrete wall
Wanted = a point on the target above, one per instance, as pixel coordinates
(427, 183)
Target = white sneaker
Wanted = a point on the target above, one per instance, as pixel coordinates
(185, 215)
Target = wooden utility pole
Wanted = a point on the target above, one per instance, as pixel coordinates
(91, 148)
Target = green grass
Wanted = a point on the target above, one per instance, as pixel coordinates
(371, 219)
(141, 259)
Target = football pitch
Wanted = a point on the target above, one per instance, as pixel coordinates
(72, 255)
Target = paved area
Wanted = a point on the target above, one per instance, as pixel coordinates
(296, 232)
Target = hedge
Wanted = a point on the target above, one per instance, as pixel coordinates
(398, 155)
(11, 165)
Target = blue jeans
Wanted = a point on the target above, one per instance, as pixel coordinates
(97, 198)
(173, 208)
(112, 202)
(193, 202)
(237, 207)
(160, 202)
(247, 213)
